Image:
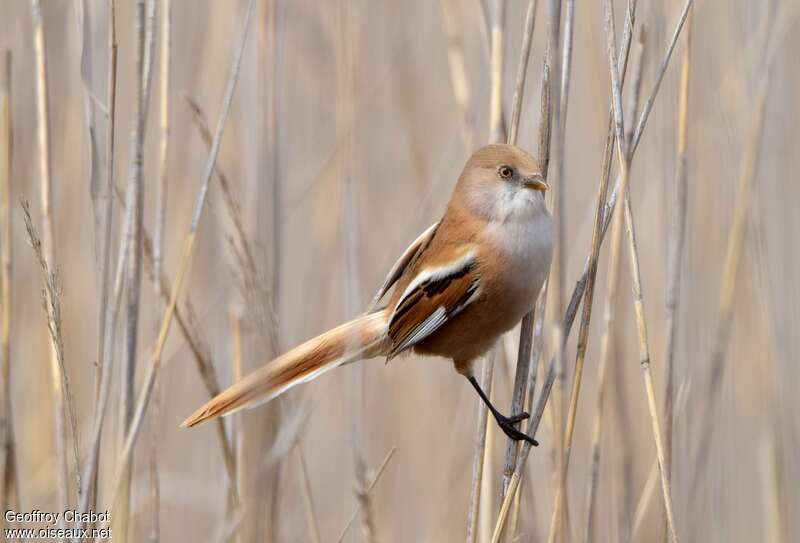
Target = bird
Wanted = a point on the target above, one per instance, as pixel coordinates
(455, 290)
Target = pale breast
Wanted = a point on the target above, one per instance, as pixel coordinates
(523, 248)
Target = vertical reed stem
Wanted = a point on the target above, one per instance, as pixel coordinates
(46, 202)
(185, 258)
(676, 249)
(524, 358)
(133, 225)
(9, 478)
(158, 249)
(641, 328)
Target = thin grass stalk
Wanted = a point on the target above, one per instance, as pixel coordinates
(497, 128)
(577, 294)
(609, 313)
(652, 481)
(774, 482)
(9, 477)
(556, 280)
(195, 343)
(515, 507)
(648, 105)
(83, 18)
(677, 237)
(605, 353)
(641, 327)
(272, 42)
(488, 506)
(536, 355)
(566, 67)
(645, 115)
(133, 224)
(621, 61)
(369, 488)
(772, 485)
(252, 286)
(231, 206)
(597, 234)
(188, 248)
(308, 498)
(163, 153)
(276, 29)
(733, 256)
(580, 286)
(524, 359)
(496, 134)
(345, 57)
(513, 484)
(606, 344)
(91, 475)
(110, 314)
(158, 249)
(538, 346)
(51, 303)
(106, 198)
(522, 71)
(623, 455)
(238, 426)
(46, 201)
(478, 456)
(650, 485)
(90, 478)
(559, 524)
(543, 154)
(521, 381)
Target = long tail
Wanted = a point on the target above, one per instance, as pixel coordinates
(363, 337)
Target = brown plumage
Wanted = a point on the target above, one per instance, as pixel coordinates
(457, 288)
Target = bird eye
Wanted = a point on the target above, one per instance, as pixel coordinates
(506, 172)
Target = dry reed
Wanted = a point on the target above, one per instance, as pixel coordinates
(609, 313)
(132, 233)
(186, 254)
(9, 477)
(734, 249)
(46, 203)
(524, 359)
(580, 286)
(104, 207)
(676, 249)
(497, 133)
(345, 117)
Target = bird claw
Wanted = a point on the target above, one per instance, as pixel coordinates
(507, 425)
(518, 418)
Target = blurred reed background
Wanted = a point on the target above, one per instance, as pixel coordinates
(348, 126)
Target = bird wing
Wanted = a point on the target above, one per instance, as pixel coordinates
(437, 293)
(413, 250)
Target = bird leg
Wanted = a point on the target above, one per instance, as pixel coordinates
(506, 423)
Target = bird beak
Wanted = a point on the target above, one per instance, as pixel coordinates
(535, 182)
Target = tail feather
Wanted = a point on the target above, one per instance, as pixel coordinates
(363, 337)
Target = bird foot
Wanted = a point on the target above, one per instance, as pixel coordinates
(507, 425)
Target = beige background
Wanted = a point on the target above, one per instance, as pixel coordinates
(369, 145)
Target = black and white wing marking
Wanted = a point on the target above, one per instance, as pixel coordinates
(434, 296)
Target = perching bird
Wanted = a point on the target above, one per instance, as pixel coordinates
(465, 281)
